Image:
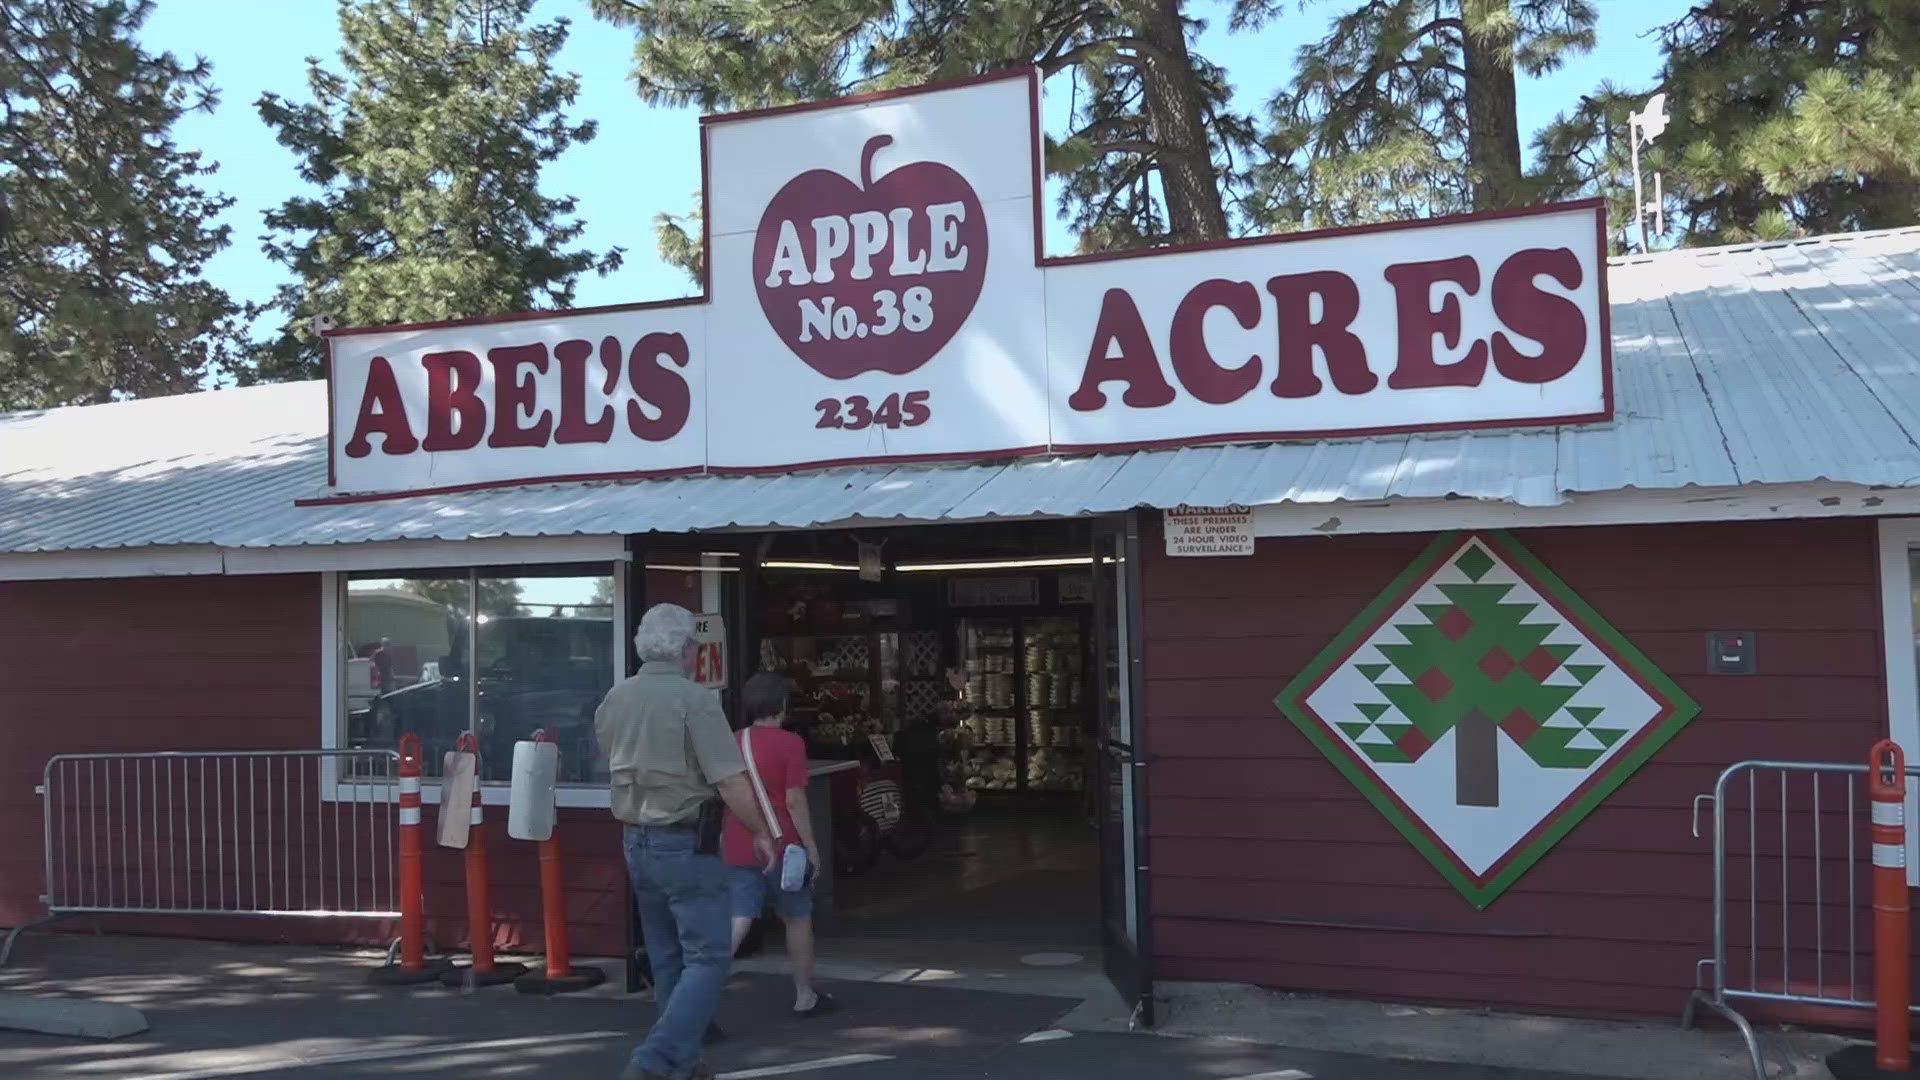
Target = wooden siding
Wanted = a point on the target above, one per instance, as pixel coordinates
(1270, 868)
(218, 663)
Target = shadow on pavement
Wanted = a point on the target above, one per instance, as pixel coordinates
(222, 1010)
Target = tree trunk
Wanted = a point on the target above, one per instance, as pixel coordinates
(1493, 124)
(1476, 760)
(1176, 116)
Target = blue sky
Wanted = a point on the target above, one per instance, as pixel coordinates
(647, 159)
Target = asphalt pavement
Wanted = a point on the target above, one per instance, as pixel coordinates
(879, 1033)
(1150, 1057)
(218, 1011)
(1057, 1056)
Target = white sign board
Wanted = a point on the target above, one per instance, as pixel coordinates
(710, 651)
(877, 293)
(881, 280)
(1200, 530)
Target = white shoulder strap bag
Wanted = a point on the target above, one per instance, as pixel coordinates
(759, 789)
(793, 857)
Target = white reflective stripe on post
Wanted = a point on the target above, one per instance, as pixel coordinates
(1889, 813)
(409, 785)
(409, 815)
(475, 819)
(1892, 856)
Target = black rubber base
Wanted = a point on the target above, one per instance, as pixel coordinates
(395, 975)
(539, 982)
(1857, 1062)
(502, 973)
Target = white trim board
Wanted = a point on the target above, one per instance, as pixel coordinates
(1628, 507)
(1754, 502)
(421, 554)
(175, 561)
(1900, 636)
(333, 678)
(191, 559)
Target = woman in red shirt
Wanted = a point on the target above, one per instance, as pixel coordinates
(779, 757)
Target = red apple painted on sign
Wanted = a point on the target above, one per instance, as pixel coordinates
(874, 276)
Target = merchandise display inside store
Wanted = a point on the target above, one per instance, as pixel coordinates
(985, 666)
(950, 673)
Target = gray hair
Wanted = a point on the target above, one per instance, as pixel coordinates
(665, 632)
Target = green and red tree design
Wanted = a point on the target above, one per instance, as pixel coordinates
(1480, 666)
(1483, 708)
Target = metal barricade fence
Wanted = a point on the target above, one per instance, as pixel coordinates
(1791, 891)
(303, 833)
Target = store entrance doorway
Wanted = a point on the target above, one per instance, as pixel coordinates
(965, 696)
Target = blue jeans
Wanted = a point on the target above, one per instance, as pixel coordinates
(684, 918)
(751, 886)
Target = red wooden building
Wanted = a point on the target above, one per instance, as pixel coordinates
(1409, 714)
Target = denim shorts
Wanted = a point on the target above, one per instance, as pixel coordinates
(751, 887)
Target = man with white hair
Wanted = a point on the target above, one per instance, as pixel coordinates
(672, 761)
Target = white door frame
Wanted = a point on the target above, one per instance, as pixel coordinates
(1899, 537)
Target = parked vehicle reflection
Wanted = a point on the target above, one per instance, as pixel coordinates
(533, 672)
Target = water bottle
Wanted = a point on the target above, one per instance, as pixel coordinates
(793, 868)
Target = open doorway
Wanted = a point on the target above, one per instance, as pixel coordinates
(959, 691)
(966, 652)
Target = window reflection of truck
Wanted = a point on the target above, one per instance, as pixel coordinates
(418, 630)
(534, 673)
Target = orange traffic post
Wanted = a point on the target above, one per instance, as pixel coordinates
(1892, 991)
(413, 967)
(485, 970)
(560, 975)
(1892, 1052)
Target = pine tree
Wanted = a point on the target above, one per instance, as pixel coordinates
(1585, 153)
(1407, 108)
(1155, 154)
(1788, 117)
(104, 224)
(1792, 116)
(678, 240)
(427, 153)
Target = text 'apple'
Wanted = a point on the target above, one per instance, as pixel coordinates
(874, 276)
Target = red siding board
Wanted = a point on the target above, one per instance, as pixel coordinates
(221, 663)
(1709, 741)
(1307, 775)
(1621, 962)
(1674, 920)
(1825, 653)
(1543, 992)
(1251, 826)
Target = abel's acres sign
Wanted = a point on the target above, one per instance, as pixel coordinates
(878, 293)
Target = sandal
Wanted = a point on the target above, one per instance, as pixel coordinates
(822, 1003)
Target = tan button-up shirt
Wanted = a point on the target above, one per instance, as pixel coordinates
(667, 745)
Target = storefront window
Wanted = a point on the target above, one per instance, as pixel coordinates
(503, 653)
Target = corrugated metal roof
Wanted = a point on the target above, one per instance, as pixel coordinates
(1759, 364)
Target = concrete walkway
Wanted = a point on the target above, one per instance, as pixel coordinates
(1630, 1051)
(231, 1010)
(1626, 1050)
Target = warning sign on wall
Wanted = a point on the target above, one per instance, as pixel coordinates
(1210, 530)
(710, 651)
